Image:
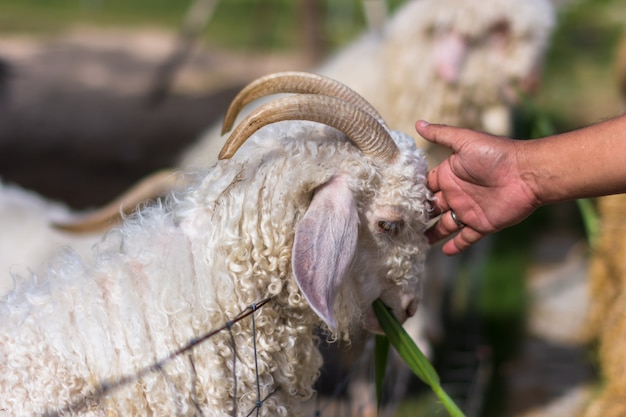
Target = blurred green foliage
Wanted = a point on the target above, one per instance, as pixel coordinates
(37, 16)
(579, 83)
(237, 24)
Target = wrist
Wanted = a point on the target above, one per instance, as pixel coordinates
(531, 179)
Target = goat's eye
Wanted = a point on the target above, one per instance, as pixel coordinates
(390, 227)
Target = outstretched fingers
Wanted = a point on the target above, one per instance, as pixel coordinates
(463, 240)
(439, 133)
(449, 225)
(444, 227)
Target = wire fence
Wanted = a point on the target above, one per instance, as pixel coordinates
(79, 404)
(335, 402)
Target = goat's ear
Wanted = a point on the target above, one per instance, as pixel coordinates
(325, 246)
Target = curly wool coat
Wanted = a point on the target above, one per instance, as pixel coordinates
(174, 272)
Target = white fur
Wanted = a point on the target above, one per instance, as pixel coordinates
(175, 271)
(27, 241)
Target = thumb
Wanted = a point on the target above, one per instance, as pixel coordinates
(436, 133)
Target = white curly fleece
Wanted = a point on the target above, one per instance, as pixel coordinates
(175, 272)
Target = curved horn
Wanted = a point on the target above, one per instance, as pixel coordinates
(295, 82)
(151, 187)
(362, 128)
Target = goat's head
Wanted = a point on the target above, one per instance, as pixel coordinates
(358, 239)
(481, 50)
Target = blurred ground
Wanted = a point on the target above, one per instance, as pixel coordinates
(553, 373)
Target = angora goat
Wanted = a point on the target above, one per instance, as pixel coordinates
(448, 61)
(461, 62)
(319, 220)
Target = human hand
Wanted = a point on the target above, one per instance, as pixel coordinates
(480, 182)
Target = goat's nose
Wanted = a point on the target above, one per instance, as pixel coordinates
(411, 309)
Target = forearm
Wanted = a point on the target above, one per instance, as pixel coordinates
(587, 162)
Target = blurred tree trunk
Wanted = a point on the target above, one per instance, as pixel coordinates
(196, 19)
(621, 67)
(311, 16)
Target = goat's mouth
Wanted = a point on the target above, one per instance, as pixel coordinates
(372, 324)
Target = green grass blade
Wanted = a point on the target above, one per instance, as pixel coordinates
(405, 346)
(381, 353)
(413, 356)
(447, 402)
(591, 219)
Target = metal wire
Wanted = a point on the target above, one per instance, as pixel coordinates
(106, 387)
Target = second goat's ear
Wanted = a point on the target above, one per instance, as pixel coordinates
(325, 246)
